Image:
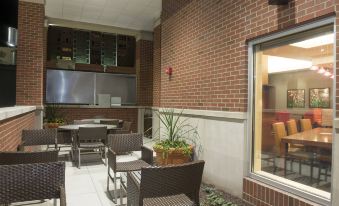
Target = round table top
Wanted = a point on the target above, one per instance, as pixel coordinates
(77, 126)
(97, 120)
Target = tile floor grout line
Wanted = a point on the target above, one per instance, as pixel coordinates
(96, 191)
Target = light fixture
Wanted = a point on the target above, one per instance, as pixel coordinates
(314, 67)
(321, 70)
(282, 64)
(332, 76)
(315, 42)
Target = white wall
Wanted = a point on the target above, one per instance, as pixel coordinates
(296, 80)
(222, 136)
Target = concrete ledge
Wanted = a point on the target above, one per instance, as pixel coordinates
(210, 113)
(8, 112)
(100, 107)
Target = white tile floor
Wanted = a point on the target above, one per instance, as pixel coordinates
(87, 186)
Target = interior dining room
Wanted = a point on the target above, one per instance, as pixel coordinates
(294, 110)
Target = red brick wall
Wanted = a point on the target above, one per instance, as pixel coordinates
(126, 114)
(260, 194)
(337, 59)
(205, 44)
(30, 54)
(11, 129)
(144, 69)
(156, 65)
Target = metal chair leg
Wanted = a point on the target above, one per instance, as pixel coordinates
(79, 160)
(105, 150)
(115, 187)
(121, 194)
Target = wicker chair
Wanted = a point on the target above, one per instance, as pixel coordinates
(39, 137)
(84, 121)
(110, 122)
(28, 182)
(125, 129)
(11, 158)
(91, 138)
(122, 144)
(165, 186)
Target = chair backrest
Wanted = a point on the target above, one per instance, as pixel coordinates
(126, 126)
(279, 132)
(84, 121)
(110, 122)
(92, 133)
(327, 118)
(27, 182)
(172, 180)
(34, 137)
(121, 143)
(305, 124)
(292, 127)
(10, 158)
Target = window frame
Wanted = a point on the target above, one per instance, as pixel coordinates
(285, 186)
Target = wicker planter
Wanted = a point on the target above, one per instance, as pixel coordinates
(174, 157)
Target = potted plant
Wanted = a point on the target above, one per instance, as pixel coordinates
(53, 117)
(177, 141)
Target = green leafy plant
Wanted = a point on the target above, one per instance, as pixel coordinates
(53, 114)
(177, 133)
(215, 198)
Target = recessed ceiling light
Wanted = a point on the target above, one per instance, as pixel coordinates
(283, 64)
(315, 42)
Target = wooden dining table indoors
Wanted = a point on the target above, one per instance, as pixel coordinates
(318, 137)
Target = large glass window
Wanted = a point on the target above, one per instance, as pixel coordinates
(293, 109)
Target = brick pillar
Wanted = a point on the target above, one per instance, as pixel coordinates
(156, 65)
(30, 52)
(144, 70)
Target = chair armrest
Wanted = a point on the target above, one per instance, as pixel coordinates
(112, 159)
(147, 155)
(62, 196)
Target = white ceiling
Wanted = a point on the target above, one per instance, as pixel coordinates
(131, 14)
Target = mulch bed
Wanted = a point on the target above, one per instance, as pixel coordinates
(229, 199)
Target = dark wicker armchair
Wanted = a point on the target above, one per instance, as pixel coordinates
(91, 138)
(39, 137)
(122, 144)
(11, 158)
(110, 122)
(165, 186)
(125, 129)
(28, 182)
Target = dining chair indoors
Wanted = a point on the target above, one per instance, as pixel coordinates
(305, 124)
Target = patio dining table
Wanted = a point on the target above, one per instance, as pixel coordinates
(74, 127)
